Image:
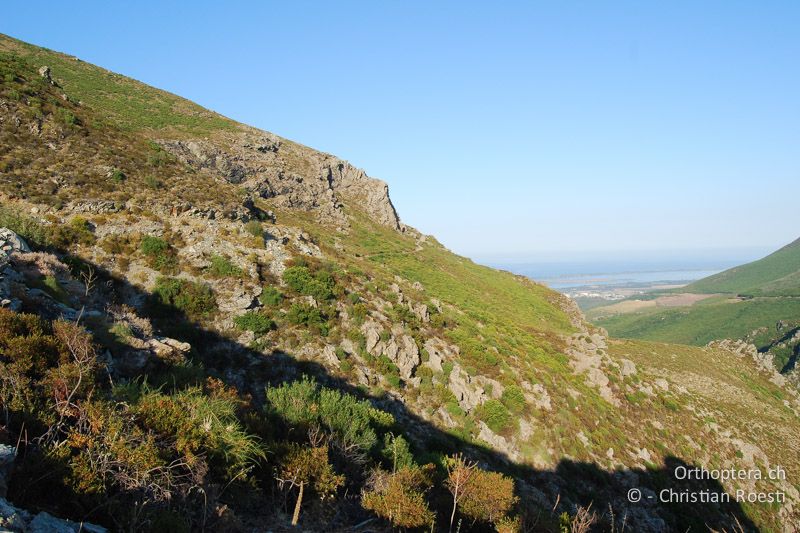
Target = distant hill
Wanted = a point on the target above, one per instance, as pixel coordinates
(757, 302)
(777, 274)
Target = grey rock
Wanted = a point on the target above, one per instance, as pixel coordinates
(7, 456)
(468, 393)
(403, 351)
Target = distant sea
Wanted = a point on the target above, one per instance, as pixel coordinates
(608, 273)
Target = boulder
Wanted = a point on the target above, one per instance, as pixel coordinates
(468, 393)
(16, 520)
(403, 351)
(7, 456)
(11, 242)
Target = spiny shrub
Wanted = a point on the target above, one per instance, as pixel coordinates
(351, 423)
(258, 323)
(320, 284)
(160, 255)
(196, 300)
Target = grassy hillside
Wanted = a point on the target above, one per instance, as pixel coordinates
(120, 101)
(247, 359)
(778, 274)
(753, 302)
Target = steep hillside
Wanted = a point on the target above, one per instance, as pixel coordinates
(218, 328)
(778, 274)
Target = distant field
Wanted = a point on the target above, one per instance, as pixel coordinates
(703, 322)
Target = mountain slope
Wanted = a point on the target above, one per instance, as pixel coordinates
(214, 265)
(778, 274)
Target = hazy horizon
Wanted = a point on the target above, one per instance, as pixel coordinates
(521, 128)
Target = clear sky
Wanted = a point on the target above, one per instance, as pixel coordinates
(503, 128)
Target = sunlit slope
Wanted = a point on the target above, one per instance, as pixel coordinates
(777, 274)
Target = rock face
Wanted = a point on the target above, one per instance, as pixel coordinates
(293, 175)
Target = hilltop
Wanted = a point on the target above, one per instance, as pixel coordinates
(206, 325)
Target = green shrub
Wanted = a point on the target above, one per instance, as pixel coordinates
(160, 254)
(117, 176)
(350, 422)
(30, 229)
(254, 228)
(271, 297)
(495, 415)
(222, 267)
(153, 182)
(200, 425)
(514, 399)
(258, 323)
(320, 284)
(76, 231)
(196, 300)
(396, 452)
(301, 314)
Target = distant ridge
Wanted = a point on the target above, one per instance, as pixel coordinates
(777, 274)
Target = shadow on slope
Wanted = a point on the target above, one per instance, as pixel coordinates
(544, 494)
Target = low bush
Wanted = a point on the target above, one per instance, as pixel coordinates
(320, 284)
(76, 231)
(352, 424)
(254, 228)
(306, 315)
(195, 300)
(258, 323)
(222, 267)
(514, 399)
(160, 254)
(271, 297)
(495, 415)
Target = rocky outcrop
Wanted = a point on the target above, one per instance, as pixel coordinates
(16, 520)
(587, 352)
(399, 347)
(294, 176)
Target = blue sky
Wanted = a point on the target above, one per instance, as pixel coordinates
(504, 128)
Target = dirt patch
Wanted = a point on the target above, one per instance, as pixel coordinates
(680, 300)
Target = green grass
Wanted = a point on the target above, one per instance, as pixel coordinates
(778, 274)
(701, 324)
(127, 103)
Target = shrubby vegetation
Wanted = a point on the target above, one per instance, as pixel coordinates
(256, 322)
(195, 300)
(318, 283)
(159, 254)
(222, 267)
